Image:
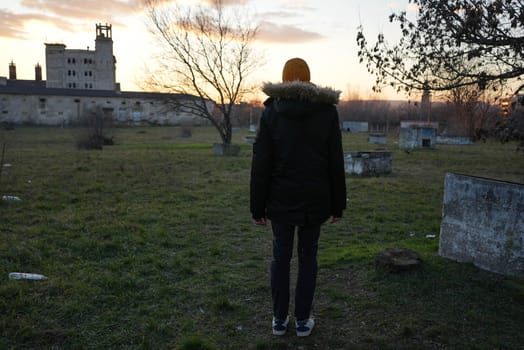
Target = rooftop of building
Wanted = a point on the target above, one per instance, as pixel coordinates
(38, 87)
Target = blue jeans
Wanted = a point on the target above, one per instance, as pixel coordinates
(283, 236)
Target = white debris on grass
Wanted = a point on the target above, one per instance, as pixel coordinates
(26, 276)
(11, 198)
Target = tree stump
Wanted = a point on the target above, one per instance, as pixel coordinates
(397, 260)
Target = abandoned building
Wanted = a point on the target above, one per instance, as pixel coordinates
(79, 82)
(417, 134)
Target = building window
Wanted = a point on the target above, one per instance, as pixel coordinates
(41, 103)
(69, 72)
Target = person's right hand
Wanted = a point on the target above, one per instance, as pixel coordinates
(260, 222)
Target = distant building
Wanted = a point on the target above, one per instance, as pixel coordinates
(517, 103)
(80, 82)
(83, 69)
(417, 134)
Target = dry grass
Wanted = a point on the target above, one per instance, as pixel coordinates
(148, 244)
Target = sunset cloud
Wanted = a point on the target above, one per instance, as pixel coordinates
(12, 24)
(280, 15)
(228, 2)
(285, 34)
(65, 14)
(84, 9)
(295, 5)
(410, 7)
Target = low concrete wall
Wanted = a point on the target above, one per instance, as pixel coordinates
(454, 140)
(378, 139)
(483, 223)
(368, 163)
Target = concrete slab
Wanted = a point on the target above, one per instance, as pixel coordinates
(483, 223)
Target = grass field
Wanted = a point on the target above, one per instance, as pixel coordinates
(148, 244)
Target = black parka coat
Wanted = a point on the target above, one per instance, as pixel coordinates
(297, 172)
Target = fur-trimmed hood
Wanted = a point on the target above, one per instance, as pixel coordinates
(298, 90)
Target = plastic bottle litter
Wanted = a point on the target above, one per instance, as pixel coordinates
(11, 198)
(26, 276)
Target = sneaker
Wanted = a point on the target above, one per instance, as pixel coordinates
(280, 326)
(304, 327)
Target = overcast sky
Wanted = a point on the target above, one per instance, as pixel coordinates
(323, 32)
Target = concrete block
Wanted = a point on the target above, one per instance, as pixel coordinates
(417, 137)
(454, 140)
(368, 163)
(483, 223)
(379, 139)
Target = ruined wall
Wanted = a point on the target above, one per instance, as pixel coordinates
(66, 110)
(378, 139)
(454, 140)
(483, 223)
(417, 137)
(368, 163)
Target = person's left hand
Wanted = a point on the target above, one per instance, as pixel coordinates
(335, 219)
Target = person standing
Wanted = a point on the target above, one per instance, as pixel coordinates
(298, 183)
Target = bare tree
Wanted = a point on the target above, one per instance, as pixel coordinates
(207, 53)
(470, 112)
(378, 113)
(97, 129)
(452, 43)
